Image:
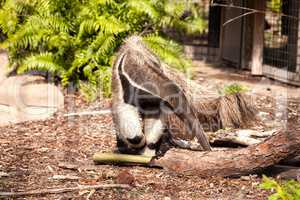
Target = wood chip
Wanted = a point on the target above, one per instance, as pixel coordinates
(64, 177)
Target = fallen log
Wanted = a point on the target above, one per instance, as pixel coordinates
(225, 163)
(292, 162)
(283, 172)
(230, 163)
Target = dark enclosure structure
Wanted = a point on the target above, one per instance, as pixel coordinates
(258, 35)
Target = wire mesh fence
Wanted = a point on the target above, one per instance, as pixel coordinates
(204, 45)
(281, 34)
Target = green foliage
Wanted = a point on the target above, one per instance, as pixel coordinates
(233, 89)
(168, 50)
(289, 190)
(75, 40)
(275, 5)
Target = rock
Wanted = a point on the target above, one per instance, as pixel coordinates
(3, 174)
(24, 98)
(3, 64)
(245, 178)
(125, 177)
(289, 174)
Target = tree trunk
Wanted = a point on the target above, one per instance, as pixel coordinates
(238, 162)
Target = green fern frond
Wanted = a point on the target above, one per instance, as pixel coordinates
(88, 72)
(25, 42)
(54, 23)
(177, 61)
(145, 7)
(169, 51)
(8, 21)
(20, 7)
(81, 36)
(88, 90)
(111, 25)
(88, 26)
(99, 83)
(105, 2)
(43, 7)
(87, 10)
(166, 21)
(81, 59)
(36, 29)
(61, 40)
(107, 46)
(26, 39)
(195, 26)
(158, 42)
(102, 47)
(40, 62)
(108, 25)
(28, 7)
(97, 42)
(174, 9)
(9, 5)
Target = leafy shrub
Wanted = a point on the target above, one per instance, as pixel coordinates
(75, 40)
(275, 5)
(289, 190)
(233, 89)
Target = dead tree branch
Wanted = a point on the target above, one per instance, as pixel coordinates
(238, 17)
(251, 9)
(225, 163)
(233, 162)
(62, 190)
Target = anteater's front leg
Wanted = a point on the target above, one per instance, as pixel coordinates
(153, 130)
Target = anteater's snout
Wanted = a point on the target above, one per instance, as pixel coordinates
(136, 140)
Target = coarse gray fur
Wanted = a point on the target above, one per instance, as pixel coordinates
(144, 99)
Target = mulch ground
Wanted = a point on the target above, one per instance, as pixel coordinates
(56, 153)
